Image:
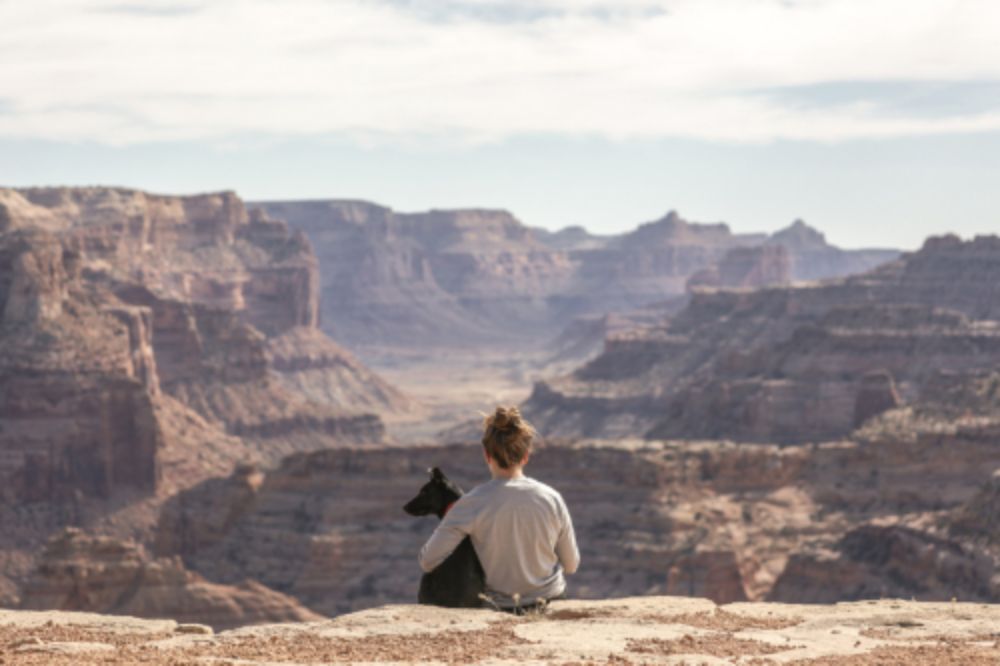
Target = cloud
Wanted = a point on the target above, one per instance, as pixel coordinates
(150, 9)
(474, 70)
(918, 99)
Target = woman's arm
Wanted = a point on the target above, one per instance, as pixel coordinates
(456, 525)
(566, 549)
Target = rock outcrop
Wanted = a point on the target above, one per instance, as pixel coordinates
(747, 267)
(113, 299)
(726, 521)
(148, 342)
(479, 278)
(813, 258)
(651, 630)
(79, 382)
(78, 572)
(791, 364)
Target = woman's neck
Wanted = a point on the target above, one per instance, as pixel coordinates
(512, 473)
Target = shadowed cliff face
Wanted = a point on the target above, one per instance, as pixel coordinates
(83, 573)
(111, 296)
(148, 342)
(479, 278)
(79, 381)
(791, 364)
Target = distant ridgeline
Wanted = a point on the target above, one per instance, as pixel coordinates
(475, 277)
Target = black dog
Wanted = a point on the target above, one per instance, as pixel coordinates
(459, 581)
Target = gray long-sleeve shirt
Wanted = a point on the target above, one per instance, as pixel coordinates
(522, 532)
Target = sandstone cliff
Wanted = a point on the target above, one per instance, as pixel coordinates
(148, 342)
(791, 364)
(186, 296)
(77, 572)
(725, 521)
(478, 278)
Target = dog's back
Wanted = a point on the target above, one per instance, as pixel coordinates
(459, 581)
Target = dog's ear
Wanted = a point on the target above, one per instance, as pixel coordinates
(437, 474)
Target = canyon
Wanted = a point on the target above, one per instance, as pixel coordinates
(480, 278)
(720, 520)
(212, 414)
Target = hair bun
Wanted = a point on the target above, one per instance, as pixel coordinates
(506, 418)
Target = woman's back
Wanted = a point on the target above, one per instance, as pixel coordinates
(523, 535)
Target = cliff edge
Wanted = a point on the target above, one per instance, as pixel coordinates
(638, 630)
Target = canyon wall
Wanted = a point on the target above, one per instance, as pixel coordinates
(801, 363)
(113, 299)
(719, 520)
(84, 573)
(472, 278)
(148, 342)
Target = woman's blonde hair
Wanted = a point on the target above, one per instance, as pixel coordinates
(507, 437)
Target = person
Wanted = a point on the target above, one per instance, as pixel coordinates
(520, 528)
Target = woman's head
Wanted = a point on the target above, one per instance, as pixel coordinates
(507, 437)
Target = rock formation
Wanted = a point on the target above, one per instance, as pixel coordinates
(479, 278)
(148, 342)
(85, 573)
(649, 630)
(79, 381)
(790, 364)
(111, 297)
(813, 258)
(725, 521)
(748, 267)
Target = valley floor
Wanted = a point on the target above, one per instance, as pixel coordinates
(638, 630)
(451, 391)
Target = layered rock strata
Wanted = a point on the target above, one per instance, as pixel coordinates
(113, 298)
(85, 573)
(477, 278)
(720, 520)
(148, 342)
(790, 364)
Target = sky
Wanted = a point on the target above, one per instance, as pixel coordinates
(877, 121)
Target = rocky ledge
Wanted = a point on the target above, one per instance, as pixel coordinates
(638, 630)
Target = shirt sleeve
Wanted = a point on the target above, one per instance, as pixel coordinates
(566, 549)
(457, 525)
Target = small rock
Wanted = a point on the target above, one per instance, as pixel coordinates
(65, 647)
(32, 640)
(194, 629)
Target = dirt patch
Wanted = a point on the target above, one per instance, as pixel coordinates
(948, 654)
(590, 614)
(454, 647)
(716, 645)
(129, 647)
(893, 633)
(12, 636)
(722, 620)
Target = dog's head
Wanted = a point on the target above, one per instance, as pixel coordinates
(435, 497)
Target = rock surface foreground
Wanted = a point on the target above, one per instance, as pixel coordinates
(650, 630)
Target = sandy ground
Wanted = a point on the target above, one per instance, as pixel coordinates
(647, 630)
